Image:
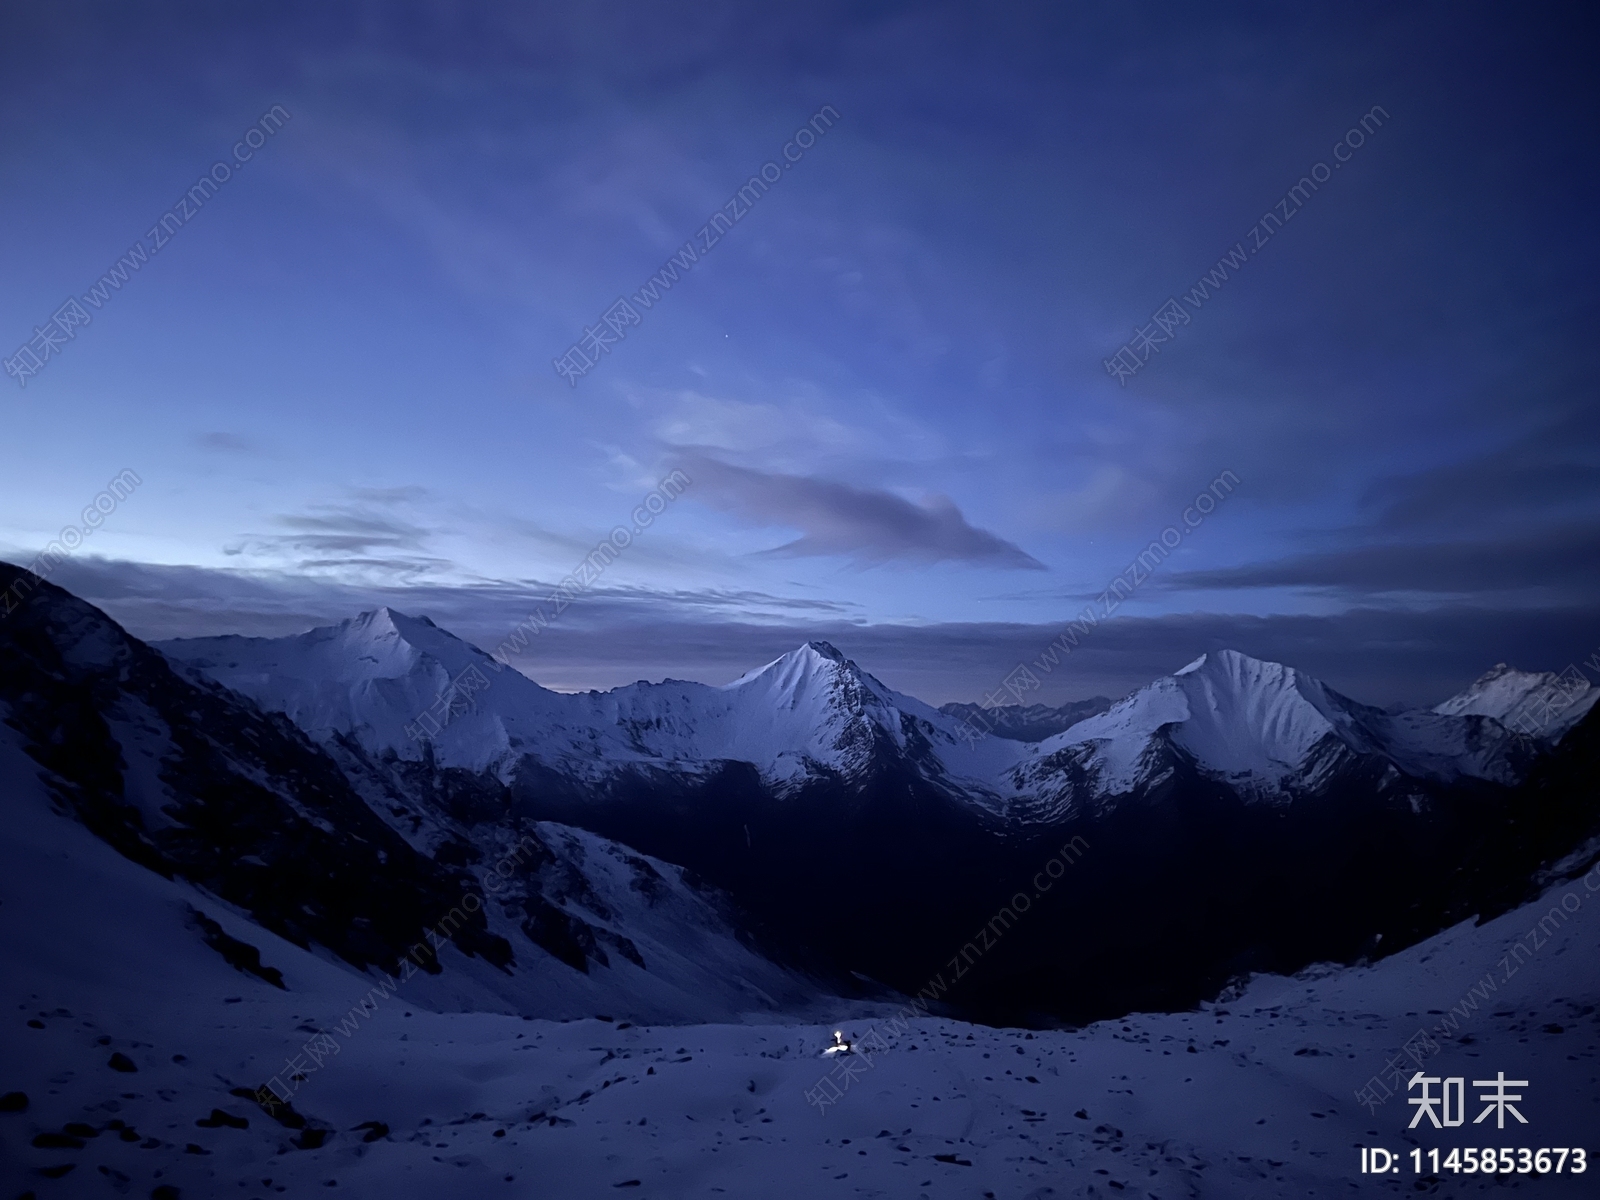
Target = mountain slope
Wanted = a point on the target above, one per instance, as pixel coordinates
(1026, 722)
(1252, 1097)
(1241, 814)
(1539, 703)
(1261, 728)
(1264, 730)
(192, 781)
(325, 849)
(810, 713)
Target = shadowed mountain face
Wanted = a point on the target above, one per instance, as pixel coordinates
(194, 781)
(1026, 722)
(1165, 895)
(1236, 815)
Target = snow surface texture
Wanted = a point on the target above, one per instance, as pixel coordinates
(1261, 727)
(1252, 1098)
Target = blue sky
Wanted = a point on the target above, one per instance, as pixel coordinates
(886, 380)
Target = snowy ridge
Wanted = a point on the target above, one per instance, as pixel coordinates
(1262, 728)
(810, 711)
(812, 706)
(369, 677)
(1551, 703)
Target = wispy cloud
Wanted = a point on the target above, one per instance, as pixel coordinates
(621, 634)
(867, 525)
(161, 601)
(225, 443)
(1563, 562)
(360, 537)
(797, 435)
(405, 494)
(1552, 471)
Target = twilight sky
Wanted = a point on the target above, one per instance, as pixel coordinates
(335, 376)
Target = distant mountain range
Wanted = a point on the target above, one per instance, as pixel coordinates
(700, 849)
(1240, 814)
(1262, 729)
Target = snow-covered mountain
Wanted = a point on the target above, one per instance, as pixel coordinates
(193, 781)
(810, 713)
(1539, 703)
(824, 800)
(132, 1051)
(1262, 728)
(1265, 730)
(201, 894)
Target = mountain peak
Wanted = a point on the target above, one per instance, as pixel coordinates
(1245, 719)
(828, 698)
(827, 650)
(1495, 692)
(383, 620)
(396, 629)
(1226, 660)
(1529, 701)
(1235, 671)
(818, 660)
(1256, 725)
